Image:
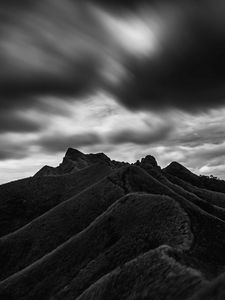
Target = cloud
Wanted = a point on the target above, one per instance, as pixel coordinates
(140, 137)
(167, 55)
(48, 49)
(208, 152)
(59, 143)
(188, 70)
(14, 122)
(12, 154)
(197, 130)
(11, 149)
(55, 48)
(123, 4)
(201, 136)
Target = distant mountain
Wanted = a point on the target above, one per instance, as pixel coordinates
(75, 160)
(94, 228)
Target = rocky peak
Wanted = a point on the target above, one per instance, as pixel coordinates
(176, 167)
(178, 170)
(74, 160)
(74, 154)
(149, 164)
(149, 160)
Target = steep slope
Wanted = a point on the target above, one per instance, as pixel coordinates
(212, 197)
(31, 242)
(210, 183)
(126, 229)
(22, 201)
(199, 198)
(44, 234)
(176, 169)
(198, 257)
(49, 230)
(144, 278)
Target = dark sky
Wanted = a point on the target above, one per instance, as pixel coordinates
(127, 79)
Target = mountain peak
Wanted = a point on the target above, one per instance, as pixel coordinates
(178, 170)
(74, 160)
(73, 153)
(175, 166)
(150, 160)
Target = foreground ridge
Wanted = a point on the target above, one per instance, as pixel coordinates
(95, 228)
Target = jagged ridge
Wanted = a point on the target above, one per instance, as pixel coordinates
(92, 227)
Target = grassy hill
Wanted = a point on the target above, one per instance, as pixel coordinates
(23, 200)
(93, 228)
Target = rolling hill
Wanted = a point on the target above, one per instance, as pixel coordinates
(94, 228)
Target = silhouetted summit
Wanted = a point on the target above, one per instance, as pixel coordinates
(74, 160)
(150, 160)
(174, 168)
(95, 228)
(74, 154)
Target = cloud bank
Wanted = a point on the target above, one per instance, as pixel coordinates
(72, 48)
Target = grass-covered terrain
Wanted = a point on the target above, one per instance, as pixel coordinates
(93, 228)
(23, 200)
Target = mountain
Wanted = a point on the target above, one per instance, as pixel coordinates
(94, 228)
(74, 161)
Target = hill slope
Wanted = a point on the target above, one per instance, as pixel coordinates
(93, 228)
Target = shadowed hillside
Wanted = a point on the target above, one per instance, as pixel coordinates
(93, 228)
(26, 199)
